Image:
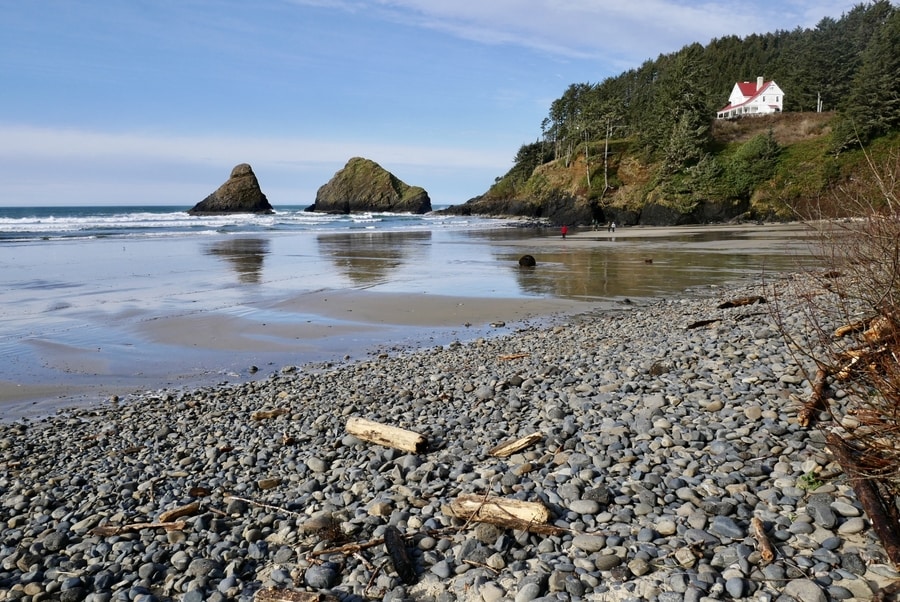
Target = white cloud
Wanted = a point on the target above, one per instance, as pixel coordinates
(46, 166)
(47, 143)
(609, 30)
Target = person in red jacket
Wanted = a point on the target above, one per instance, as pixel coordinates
(565, 230)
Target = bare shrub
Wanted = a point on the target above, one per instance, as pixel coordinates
(845, 321)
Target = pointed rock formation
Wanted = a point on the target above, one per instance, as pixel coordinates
(363, 185)
(240, 194)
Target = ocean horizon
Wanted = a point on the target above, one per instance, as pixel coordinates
(29, 224)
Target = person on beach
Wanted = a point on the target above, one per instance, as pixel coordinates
(565, 230)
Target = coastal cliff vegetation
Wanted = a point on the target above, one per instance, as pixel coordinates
(644, 147)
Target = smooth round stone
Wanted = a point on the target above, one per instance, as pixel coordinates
(605, 562)
(322, 576)
(806, 590)
(589, 543)
(852, 526)
(736, 587)
(528, 592)
(584, 507)
(666, 527)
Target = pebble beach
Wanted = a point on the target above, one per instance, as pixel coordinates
(658, 446)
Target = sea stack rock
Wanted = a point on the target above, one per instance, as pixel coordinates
(240, 194)
(363, 185)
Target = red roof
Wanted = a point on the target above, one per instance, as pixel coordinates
(750, 92)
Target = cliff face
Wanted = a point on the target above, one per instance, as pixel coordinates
(630, 190)
(363, 185)
(239, 194)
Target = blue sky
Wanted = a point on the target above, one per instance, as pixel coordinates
(154, 101)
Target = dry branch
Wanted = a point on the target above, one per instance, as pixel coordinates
(508, 448)
(109, 530)
(513, 356)
(816, 401)
(186, 510)
(857, 326)
(766, 550)
(887, 529)
(388, 436)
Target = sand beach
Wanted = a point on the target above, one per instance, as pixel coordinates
(87, 320)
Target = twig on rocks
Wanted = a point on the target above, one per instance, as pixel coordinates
(816, 401)
(766, 550)
(109, 530)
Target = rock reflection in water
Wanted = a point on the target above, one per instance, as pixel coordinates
(246, 256)
(620, 272)
(367, 257)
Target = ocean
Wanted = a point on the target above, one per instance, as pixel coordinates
(100, 301)
(24, 224)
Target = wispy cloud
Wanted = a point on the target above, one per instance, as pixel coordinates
(20, 141)
(602, 29)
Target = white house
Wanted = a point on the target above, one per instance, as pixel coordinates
(749, 98)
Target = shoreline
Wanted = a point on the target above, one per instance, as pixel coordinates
(658, 445)
(118, 348)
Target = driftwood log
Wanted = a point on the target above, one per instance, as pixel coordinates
(508, 448)
(883, 520)
(503, 512)
(186, 510)
(388, 436)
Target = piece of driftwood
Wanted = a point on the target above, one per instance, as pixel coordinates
(186, 510)
(857, 326)
(816, 401)
(758, 531)
(513, 356)
(508, 448)
(266, 414)
(383, 434)
(701, 323)
(503, 512)
(884, 525)
(276, 594)
(741, 302)
(880, 329)
(109, 530)
(396, 548)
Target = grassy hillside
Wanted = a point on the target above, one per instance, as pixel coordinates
(779, 167)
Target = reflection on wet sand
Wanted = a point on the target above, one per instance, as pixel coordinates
(246, 256)
(367, 258)
(630, 271)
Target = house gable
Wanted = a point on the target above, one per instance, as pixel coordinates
(753, 98)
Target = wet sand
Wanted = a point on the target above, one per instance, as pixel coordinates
(115, 321)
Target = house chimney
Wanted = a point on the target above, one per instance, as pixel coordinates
(759, 83)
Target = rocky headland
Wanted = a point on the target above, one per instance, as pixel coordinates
(363, 185)
(664, 455)
(241, 193)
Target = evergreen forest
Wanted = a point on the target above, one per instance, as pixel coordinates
(645, 146)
